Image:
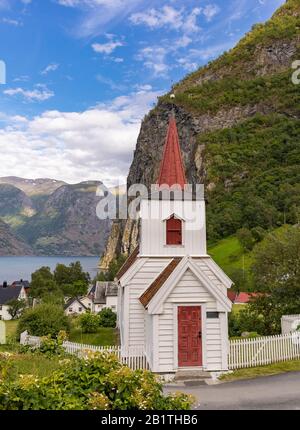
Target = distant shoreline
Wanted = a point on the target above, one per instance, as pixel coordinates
(14, 268)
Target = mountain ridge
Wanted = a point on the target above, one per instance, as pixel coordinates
(238, 121)
(49, 217)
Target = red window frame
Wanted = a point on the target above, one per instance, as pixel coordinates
(174, 231)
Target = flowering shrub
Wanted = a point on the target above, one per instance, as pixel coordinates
(51, 347)
(98, 382)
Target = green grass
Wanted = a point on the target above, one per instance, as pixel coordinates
(229, 255)
(255, 372)
(104, 337)
(37, 365)
(237, 308)
(11, 327)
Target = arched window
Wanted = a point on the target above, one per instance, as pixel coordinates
(174, 231)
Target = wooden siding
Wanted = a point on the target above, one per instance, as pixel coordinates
(136, 287)
(154, 214)
(202, 264)
(189, 290)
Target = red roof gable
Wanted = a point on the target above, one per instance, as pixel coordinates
(171, 169)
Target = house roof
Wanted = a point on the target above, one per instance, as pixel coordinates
(9, 293)
(240, 298)
(231, 295)
(128, 263)
(21, 283)
(74, 299)
(148, 295)
(172, 169)
(104, 290)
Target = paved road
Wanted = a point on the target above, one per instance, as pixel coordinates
(271, 392)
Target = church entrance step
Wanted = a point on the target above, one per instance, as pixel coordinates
(191, 375)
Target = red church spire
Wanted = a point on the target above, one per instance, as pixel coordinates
(171, 168)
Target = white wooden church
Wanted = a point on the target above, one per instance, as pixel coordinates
(172, 295)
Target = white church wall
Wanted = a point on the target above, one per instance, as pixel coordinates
(136, 287)
(153, 228)
(189, 291)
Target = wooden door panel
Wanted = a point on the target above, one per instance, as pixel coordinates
(189, 336)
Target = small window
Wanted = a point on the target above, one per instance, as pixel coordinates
(211, 315)
(174, 231)
(70, 310)
(80, 309)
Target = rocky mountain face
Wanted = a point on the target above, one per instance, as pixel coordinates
(48, 217)
(10, 244)
(238, 120)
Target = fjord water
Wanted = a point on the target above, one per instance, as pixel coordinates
(16, 268)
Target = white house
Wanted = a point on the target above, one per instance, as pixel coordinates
(6, 295)
(100, 296)
(172, 295)
(78, 306)
(104, 295)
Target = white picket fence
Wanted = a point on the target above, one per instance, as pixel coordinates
(243, 353)
(133, 357)
(263, 350)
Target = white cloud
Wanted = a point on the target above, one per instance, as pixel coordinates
(210, 11)
(168, 17)
(190, 22)
(23, 78)
(154, 58)
(75, 146)
(40, 93)
(108, 47)
(98, 14)
(50, 68)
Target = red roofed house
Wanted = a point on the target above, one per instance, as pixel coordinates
(240, 298)
(172, 295)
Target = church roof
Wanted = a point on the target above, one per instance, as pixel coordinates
(172, 169)
(128, 263)
(148, 295)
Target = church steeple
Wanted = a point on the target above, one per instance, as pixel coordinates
(172, 169)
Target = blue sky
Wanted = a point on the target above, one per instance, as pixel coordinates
(81, 74)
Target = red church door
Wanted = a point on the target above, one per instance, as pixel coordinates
(189, 336)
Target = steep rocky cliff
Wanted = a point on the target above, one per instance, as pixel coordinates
(239, 124)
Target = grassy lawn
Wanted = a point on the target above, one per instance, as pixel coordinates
(255, 372)
(37, 365)
(11, 327)
(237, 308)
(228, 254)
(104, 337)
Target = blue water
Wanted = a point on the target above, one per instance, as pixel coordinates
(16, 268)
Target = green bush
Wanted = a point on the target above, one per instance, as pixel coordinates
(99, 382)
(89, 323)
(107, 318)
(43, 320)
(51, 347)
